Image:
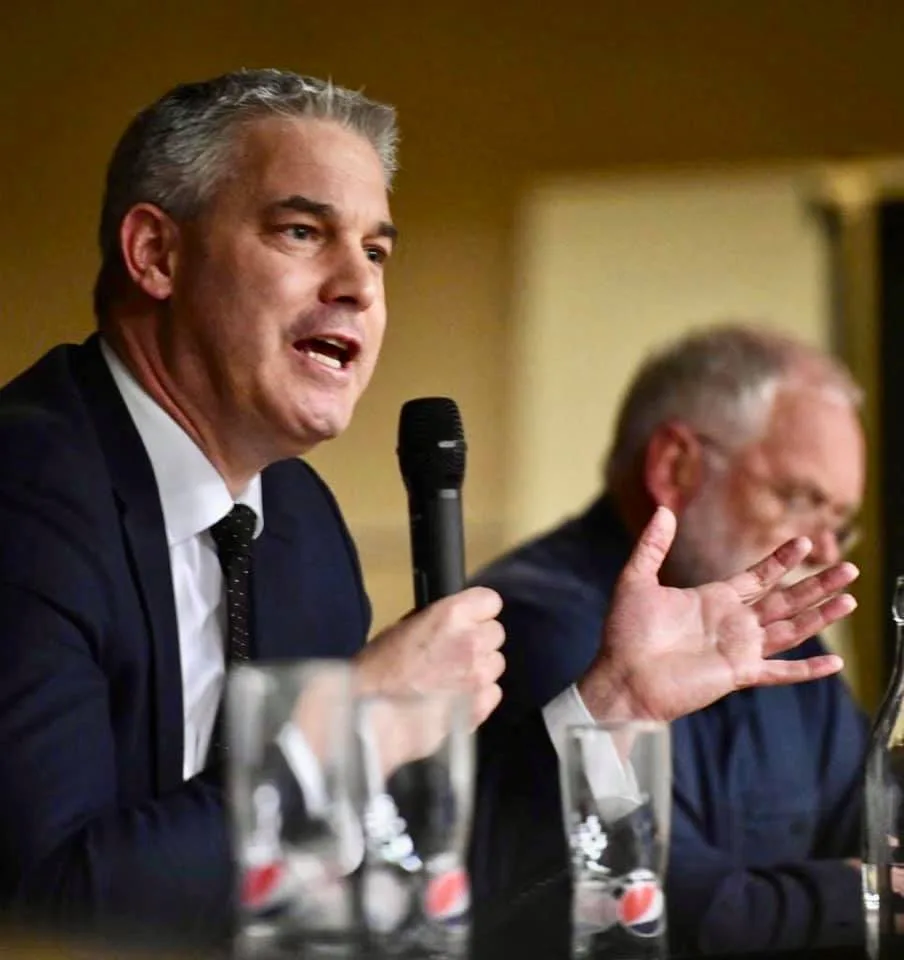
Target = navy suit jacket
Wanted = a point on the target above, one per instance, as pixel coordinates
(97, 825)
(766, 782)
(98, 829)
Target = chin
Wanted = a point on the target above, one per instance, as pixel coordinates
(314, 426)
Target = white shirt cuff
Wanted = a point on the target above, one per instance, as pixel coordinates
(607, 775)
(305, 767)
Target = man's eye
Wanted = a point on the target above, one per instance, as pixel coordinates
(799, 500)
(300, 231)
(377, 255)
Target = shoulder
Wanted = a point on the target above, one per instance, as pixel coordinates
(60, 528)
(575, 564)
(49, 449)
(547, 574)
(42, 460)
(55, 490)
(295, 487)
(297, 499)
(46, 435)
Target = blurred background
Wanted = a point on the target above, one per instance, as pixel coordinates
(580, 181)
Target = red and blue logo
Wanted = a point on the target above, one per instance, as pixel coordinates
(448, 896)
(263, 886)
(640, 905)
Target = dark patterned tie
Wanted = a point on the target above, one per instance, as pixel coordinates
(233, 536)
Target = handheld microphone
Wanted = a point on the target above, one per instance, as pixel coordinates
(431, 451)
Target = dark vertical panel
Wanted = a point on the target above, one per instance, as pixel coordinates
(890, 226)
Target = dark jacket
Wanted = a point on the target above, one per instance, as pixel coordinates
(766, 796)
(97, 826)
(98, 830)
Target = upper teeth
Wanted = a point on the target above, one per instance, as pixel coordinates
(334, 343)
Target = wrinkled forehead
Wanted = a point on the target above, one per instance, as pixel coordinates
(815, 435)
(275, 157)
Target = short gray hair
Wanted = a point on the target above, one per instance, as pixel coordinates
(175, 152)
(720, 380)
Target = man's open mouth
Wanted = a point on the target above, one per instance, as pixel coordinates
(335, 353)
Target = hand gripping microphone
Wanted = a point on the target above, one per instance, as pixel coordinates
(431, 452)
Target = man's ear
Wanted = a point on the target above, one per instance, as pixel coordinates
(673, 466)
(148, 239)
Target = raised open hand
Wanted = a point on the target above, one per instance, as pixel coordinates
(667, 652)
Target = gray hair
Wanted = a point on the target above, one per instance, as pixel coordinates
(722, 381)
(175, 152)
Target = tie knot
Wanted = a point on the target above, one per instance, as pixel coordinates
(234, 534)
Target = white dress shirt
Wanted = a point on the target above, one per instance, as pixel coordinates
(193, 496)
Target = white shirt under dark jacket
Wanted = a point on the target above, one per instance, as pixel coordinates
(193, 497)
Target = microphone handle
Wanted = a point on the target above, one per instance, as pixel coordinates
(437, 545)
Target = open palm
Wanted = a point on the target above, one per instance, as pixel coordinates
(667, 651)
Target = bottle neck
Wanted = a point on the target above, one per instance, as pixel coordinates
(897, 673)
(887, 729)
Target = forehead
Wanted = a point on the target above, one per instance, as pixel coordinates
(815, 436)
(276, 157)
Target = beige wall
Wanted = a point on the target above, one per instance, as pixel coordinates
(612, 267)
(492, 96)
(608, 269)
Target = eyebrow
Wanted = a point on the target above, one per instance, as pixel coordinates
(326, 211)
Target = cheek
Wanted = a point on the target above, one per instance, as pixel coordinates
(379, 330)
(744, 535)
(375, 328)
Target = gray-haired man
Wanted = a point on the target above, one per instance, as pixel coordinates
(750, 438)
(244, 235)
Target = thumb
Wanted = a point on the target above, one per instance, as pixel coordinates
(651, 548)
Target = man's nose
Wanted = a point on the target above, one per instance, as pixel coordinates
(826, 549)
(351, 279)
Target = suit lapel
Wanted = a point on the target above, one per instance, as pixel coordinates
(142, 517)
(278, 588)
(308, 600)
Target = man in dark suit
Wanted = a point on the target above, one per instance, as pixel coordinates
(148, 473)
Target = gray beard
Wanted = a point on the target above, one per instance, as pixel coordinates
(706, 548)
(709, 547)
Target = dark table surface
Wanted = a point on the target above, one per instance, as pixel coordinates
(538, 926)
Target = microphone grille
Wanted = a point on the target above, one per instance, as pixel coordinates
(431, 445)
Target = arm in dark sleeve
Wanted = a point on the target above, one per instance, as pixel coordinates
(519, 850)
(75, 855)
(812, 900)
(716, 906)
(518, 846)
(550, 643)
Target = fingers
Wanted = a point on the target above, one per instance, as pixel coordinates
(473, 603)
(782, 604)
(651, 548)
(488, 636)
(763, 576)
(474, 644)
(470, 621)
(485, 702)
(493, 667)
(779, 672)
(786, 634)
(452, 645)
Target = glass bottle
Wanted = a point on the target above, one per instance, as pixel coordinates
(883, 813)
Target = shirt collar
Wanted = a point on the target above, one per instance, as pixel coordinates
(193, 494)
